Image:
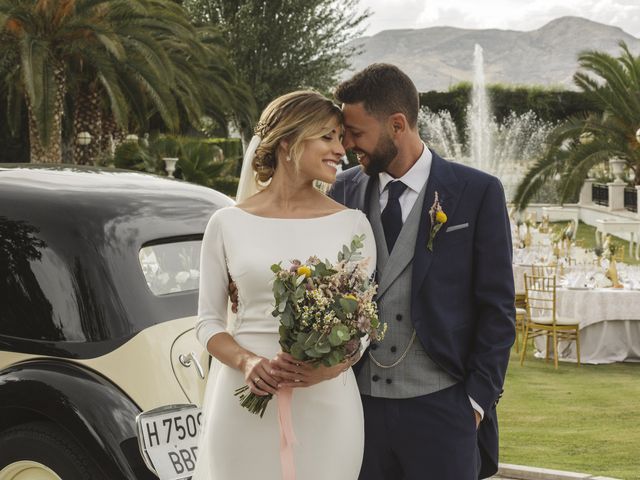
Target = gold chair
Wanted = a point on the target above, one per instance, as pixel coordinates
(542, 318)
(542, 270)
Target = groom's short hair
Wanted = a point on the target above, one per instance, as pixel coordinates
(383, 89)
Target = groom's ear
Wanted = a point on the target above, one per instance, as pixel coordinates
(398, 124)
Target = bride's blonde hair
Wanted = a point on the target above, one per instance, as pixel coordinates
(294, 117)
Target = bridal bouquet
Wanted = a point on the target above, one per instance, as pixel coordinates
(324, 311)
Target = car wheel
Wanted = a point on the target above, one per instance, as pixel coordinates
(40, 451)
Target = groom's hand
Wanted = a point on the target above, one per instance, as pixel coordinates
(233, 295)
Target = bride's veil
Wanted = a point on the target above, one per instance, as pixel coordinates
(247, 185)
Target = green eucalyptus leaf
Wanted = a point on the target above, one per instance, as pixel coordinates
(334, 358)
(325, 268)
(334, 338)
(357, 242)
(299, 293)
(323, 347)
(283, 331)
(279, 288)
(297, 351)
(313, 353)
(339, 312)
(286, 319)
(312, 338)
(282, 307)
(349, 305)
(343, 332)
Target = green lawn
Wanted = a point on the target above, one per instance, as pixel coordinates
(583, 419)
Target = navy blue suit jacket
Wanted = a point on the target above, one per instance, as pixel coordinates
(462, 302)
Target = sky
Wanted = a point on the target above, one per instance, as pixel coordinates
(503, 14)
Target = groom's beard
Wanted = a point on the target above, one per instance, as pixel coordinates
(384, 152)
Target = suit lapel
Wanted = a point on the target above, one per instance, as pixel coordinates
(360, 190)
(404, 248)
(443, 180)
(373, 202)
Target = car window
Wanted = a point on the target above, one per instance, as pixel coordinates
(171, 267)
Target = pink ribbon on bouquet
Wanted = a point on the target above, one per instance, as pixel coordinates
(287, 436)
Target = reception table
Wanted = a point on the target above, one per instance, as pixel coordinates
(609, 325)
(615, 227)
(609, 322)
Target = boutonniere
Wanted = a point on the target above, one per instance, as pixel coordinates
(438, 218)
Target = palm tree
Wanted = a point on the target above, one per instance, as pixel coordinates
(118, 61)
(120, 87)
(612, 86)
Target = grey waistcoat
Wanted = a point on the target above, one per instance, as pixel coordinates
(416, 374)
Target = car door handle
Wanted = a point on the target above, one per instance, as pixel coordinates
(189, 359)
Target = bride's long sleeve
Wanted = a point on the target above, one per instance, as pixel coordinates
(214, 283)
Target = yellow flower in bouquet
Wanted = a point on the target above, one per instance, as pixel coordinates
(304, 270)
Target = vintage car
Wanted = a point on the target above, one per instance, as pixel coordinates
(98, 295)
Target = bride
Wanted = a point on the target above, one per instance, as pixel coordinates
(298, 141)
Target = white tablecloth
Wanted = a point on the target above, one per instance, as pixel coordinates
(609, 324)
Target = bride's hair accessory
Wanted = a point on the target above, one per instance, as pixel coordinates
(261, 128)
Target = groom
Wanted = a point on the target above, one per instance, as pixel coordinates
(430, 389)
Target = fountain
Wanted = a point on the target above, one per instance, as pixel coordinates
(480, 128)
(505, 150)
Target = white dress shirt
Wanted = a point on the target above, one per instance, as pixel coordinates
(414, 179)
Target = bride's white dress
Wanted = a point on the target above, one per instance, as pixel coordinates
(327, 418)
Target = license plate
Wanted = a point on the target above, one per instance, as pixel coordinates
(168, 438)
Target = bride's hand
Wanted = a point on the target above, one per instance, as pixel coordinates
(257, 376)
(296, 374)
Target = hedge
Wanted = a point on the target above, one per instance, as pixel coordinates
(552, 105)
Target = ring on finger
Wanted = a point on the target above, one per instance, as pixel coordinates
(257, 380)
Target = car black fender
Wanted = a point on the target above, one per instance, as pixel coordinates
(85, 404)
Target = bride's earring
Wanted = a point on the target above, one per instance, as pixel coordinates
(288, 158)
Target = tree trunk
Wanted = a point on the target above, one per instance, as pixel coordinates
(87, 117)
(52, 153)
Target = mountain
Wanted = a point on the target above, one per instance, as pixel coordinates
(439, 57)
